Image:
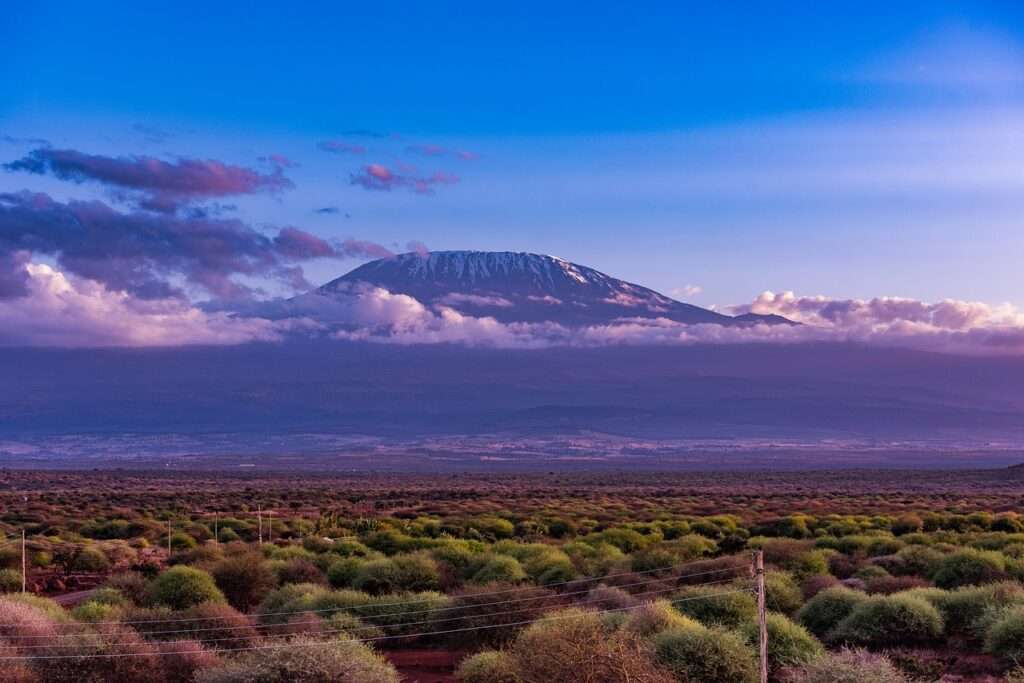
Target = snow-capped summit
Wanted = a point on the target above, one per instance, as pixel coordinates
(522, 287)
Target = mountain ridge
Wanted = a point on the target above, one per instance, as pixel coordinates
(525, 287)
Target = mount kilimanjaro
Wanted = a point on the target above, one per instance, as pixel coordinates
(523, 287)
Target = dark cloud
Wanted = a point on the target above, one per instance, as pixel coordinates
(145, 253)
(328, 210)
(154, 184)
(380, 177)
(14, 274)
(38, 142)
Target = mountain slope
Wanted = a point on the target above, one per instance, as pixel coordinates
(523, 287)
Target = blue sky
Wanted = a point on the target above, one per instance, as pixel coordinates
(866, 150)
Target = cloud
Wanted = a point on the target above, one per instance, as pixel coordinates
(381, 178)
(417, 247)
(363, 249)
(457, 298)
(58, 310)
(373, 314)
(154, 184)
(144, 253)
(948, 325)
(686, 291)
(341, 147)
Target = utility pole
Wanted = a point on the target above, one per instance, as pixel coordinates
(270, 526)
(24, 564)
(757, 571)
(259, 517)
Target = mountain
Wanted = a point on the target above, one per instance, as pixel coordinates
(522, 287)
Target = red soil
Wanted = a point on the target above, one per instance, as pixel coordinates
(426, 666)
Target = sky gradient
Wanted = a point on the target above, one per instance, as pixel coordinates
(711, 154)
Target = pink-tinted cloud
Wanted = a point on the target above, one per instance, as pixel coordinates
(376, 315)
(63, 311)
(341, 147)
(280, 160)
(381, 178)
(467, 155)
(146, 254)
(363, 249)
(153, 183)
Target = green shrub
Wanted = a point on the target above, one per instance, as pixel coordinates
(825, 610)
(883, 620)
(499, 569)
(182, 541)
(304, 660)
(10, 581)
(342, 572)
(849, 666)
(789, 644)
(182, 587)
(1005, 636)
(489, 666)
(244, 579)
(706, 655)
(968, 567)
(782, 593)
(89, 560)
(964, 608)
(575, 645)
(652, 618)
(706, 605)
(131, 585)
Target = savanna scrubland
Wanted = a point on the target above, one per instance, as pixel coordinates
(871, 576)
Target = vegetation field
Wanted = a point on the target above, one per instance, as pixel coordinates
(603, 578)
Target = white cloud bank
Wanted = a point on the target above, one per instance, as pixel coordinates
(58, 310)
(64, 311)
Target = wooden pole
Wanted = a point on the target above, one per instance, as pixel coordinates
(270, 527)
(24, 564)
(259, 517)
(762, 621)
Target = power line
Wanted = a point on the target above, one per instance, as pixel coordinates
(356, 628)
(362, 640)
(415, 602)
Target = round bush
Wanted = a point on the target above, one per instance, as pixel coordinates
(90, 560)
(850, 666)
(782, 593)
(652, 618)
(1005, 636)
(489, 666)
(789, 644)
(704, 604)
(244, 579)
(968, 567)
(825, 610)
(305, 660)
(343, 572)
(574, 645)
(706, 655)
(182, 587)
(500, 568)
(10, 581)
(881, 621)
